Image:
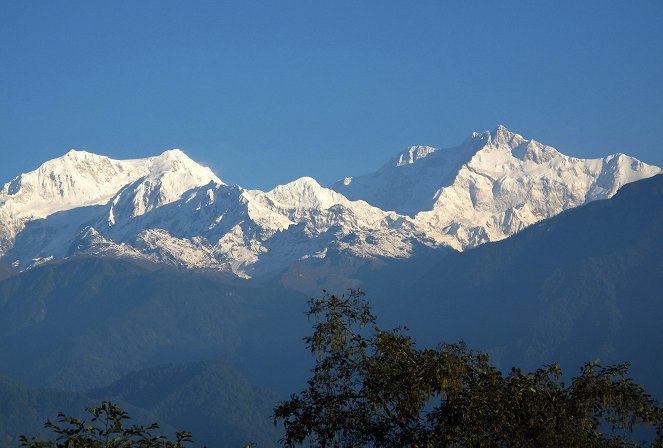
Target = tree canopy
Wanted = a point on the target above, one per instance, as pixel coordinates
(105, 429)
(372, 387)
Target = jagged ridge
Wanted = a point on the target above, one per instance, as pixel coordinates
(170, 209)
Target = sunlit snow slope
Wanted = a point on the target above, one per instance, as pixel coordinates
(169, 209)
(490, 187)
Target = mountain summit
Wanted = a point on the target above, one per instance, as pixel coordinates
(491, 186)
(169, 209)
(82, 179)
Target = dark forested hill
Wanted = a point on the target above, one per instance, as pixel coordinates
(23, 410)
(211, 399)
(149, 338)
(83, 323)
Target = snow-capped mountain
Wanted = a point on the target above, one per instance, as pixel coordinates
(169, 209)
(80, 179)
(490, 187)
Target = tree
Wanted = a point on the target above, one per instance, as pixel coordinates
(105, 429)
(371, 387)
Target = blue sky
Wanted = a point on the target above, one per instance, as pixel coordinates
(265, 92)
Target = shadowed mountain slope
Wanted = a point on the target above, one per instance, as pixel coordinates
(85, 322)
(583, 285)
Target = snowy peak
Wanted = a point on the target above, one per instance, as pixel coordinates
(76, 154)
(77, 178)
(302, 200)
(176, 161)
(499, 139)
(493, 185)
(82, 179)
(414, 153)
(170, 175)
(502, 137)
(305, 192)
(415, 180)
(170, 209)
(408, 182)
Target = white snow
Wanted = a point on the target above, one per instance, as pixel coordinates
(81, 179)
(490, 187)
(170, 209)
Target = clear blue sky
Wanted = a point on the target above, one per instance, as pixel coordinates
(267, 91)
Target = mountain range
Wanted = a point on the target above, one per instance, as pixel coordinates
(109, 301)
(169, 209)
(212, 353)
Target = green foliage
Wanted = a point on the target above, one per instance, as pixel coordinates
(105, 429)
(376, 388)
